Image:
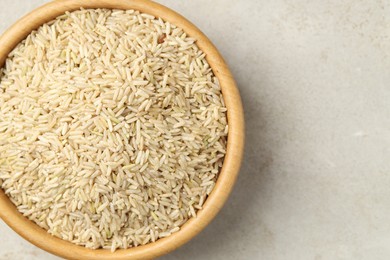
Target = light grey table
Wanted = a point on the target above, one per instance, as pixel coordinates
(315, 82)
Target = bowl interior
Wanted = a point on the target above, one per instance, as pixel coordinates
(228, 173)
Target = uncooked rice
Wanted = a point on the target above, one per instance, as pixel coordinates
(112, 128)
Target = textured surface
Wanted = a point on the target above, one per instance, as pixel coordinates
(315, 180)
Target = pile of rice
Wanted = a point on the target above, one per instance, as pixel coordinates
(112, 128)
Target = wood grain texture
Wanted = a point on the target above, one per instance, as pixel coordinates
(229, 171)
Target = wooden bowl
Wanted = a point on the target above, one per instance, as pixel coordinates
(235, 144)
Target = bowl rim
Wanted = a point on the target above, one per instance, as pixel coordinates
(235, 145)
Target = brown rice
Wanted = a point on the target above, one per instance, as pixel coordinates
(112, 128)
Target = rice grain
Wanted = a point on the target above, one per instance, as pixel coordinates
(113, 128)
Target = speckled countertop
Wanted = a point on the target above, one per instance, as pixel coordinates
(314, 78)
